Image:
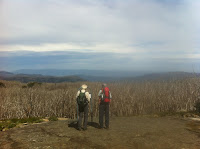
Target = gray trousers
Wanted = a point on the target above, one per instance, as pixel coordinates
(104, 109)
(83, 111)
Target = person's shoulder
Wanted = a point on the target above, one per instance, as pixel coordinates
(78, 92)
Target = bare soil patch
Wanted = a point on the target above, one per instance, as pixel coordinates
(142, 132)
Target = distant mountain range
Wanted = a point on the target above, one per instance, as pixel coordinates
(37, 78)
(29, 75)
(90, 75)
(164, 76)
(81, 72)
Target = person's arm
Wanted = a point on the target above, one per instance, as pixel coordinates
(99, 94)
(99, 100)
(77, 94)
(87, 94)
(110, 96)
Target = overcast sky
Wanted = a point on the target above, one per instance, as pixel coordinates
(147, 35)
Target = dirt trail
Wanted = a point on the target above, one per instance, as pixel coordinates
(125, 132)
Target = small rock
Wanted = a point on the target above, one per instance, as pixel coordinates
(138, 135)
(4, 129)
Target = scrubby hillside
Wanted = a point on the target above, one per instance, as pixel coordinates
(58, 99)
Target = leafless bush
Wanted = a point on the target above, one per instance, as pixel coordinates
(50, 99)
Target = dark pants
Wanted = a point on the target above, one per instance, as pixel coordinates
(83, 111)
(104, 109)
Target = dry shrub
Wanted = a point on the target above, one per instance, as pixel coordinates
(129, 98)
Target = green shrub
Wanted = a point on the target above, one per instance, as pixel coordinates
(35, 120)
(31, 84)
(182, 113)
(30, 120)
(53, 118)
(2, 85)
(163, 114)
(13, 122)
(26, 120)
(1, 127)
(23, 120)
(197, 106)
(11, 125)
(5, 124)
(24, 86)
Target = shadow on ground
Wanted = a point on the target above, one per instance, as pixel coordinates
(74, 124)
(93, 124)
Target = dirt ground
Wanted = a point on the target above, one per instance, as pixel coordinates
(144, 132)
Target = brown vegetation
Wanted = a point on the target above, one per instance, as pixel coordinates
(51, 99)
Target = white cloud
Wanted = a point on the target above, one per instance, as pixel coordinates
(145, 29)
(115, 48)
(69, 21)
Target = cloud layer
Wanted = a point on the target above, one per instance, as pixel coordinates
(134, 31)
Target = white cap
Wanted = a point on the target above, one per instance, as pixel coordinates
(84, 86)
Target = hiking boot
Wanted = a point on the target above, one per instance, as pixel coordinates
(79, 129)
(107, 127)
(100, 127)
(84, 129)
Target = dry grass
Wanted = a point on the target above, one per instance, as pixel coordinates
(128, 98)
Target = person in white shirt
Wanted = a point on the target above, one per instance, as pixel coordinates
(83, 98)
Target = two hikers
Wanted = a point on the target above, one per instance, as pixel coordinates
(83, 98)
